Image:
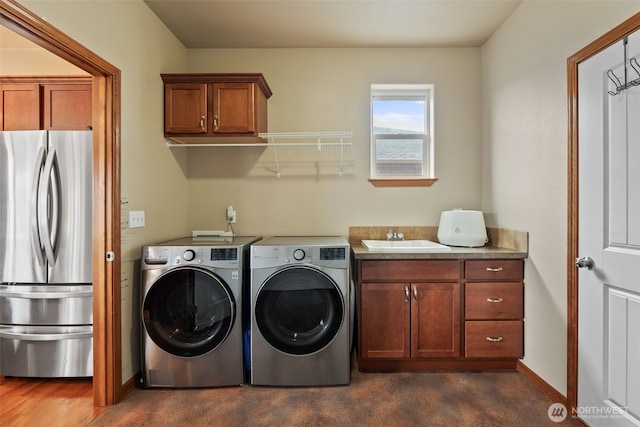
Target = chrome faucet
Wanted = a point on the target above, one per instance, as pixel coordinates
(394, 235)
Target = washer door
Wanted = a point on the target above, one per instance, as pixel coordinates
(188, 311)
(299, 310)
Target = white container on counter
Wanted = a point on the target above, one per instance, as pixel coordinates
(460, 227)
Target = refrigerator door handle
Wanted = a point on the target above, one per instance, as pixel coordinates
(50, 205)
(4, 292)
(35, 231)
(44, 337)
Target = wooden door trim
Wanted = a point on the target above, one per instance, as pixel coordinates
(107, 359)
(630, 25)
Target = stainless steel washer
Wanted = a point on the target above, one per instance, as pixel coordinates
(300, 311)
(191, 306)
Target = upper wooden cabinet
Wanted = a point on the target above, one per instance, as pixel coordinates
(45, 103)
(214, 105)
(20, 107)
(66, 106)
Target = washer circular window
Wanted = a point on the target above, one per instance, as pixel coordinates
(299, 310)
(188, 312)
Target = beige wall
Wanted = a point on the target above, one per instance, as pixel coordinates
(21, 57)
(129, 36)
(327, 90)
(524, 153)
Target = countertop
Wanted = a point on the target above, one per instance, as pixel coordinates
(485, 252)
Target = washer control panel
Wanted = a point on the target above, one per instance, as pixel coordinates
(165, 256)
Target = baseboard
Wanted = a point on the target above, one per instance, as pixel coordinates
(544, 386)
(130, 385)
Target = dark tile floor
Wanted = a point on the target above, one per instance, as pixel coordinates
(381, 399)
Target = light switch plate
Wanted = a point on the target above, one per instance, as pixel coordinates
(136, 219)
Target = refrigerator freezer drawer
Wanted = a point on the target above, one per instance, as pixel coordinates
(46, 351)
(46, 305)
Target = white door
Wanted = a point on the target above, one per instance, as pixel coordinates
(609, 238)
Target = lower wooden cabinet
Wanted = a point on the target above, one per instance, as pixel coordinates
(410, 320)
(440, 314)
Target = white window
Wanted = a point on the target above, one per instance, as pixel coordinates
(402, 132)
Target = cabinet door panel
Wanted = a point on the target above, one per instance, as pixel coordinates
(67, 107)
(435, 320)
(185, 108)
(233, 108)
(20, 107)
(385, 317)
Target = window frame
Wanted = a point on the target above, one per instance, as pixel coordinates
(405, 92)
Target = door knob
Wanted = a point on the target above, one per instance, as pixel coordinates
(585, 262)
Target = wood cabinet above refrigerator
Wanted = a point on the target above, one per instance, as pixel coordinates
(211, 108)
(45, 103)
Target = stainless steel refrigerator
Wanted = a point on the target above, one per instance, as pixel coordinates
(46, 254)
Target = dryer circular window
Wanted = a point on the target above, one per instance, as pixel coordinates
(188, 311)
(299, 310)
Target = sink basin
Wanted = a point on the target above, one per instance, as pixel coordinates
(404, 246)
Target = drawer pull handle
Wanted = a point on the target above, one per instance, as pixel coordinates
(415, 293)
(494, 300)
(494, 270)
(406, 294)
(202, 122)
(491, 339)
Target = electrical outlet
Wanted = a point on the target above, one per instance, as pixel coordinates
(136, 219)
(231, 215)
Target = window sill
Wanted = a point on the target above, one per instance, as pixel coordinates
(403, 182)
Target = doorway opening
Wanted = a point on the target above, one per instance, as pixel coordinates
(107, 382)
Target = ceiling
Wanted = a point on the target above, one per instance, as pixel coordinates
(332, 23)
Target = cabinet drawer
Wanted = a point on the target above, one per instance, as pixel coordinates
(493, 300)
(410, 270)
(494, 339)
(499, 269)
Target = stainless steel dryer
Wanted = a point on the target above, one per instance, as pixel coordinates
(191, 306)
(300, 329)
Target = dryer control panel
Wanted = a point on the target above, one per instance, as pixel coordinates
(272, 256)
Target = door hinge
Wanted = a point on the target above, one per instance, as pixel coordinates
(111, 256)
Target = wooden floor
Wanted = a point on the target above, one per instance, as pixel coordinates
(46, 402)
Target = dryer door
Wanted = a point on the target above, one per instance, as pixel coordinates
(299, 310)
(188, 311)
